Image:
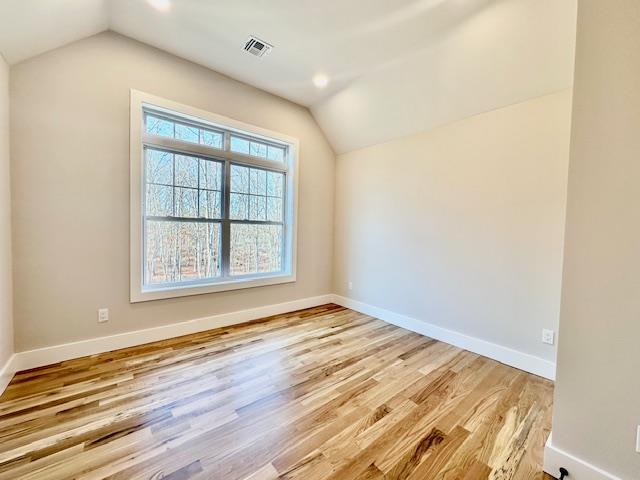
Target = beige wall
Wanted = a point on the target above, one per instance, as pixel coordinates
(6, 316)
(70, 160)
(597, 403)
(462, 226)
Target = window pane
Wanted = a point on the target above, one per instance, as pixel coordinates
(187, 133)
(257, 208)
(261, 185)
(199, 248)
(256, 249)
(211, 139)
(274, 184)
(258, 150)
(186, 202)
(274, 209)
(159, 168)
(210, 206)
(240, 145)
(238, 208)
(275, 153)
(159, 200)
(184, 132)
(178, 252)
(186, 171)
(257, 182)
(161, 248)
(159, 126)
(210, 175)
(239, 179)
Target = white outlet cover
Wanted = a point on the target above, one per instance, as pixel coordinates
(103, 315)
(350, 285)
(548, 336)
(638, 440)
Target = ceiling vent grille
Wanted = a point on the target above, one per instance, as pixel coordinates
(257, 47)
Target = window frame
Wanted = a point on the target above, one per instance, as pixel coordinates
(140, 140)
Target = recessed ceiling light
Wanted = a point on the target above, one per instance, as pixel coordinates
(162, 5)
(320, 80)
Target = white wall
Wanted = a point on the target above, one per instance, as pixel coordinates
(6, 295)
(70, 160)
(462, 226)
(597, 396)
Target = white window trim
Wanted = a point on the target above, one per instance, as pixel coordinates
(137, 291)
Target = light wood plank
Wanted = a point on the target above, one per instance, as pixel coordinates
(318, 394)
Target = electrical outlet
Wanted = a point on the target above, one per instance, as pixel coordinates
(638, 440)
(103, 315)
(548, 336)
(350, 285)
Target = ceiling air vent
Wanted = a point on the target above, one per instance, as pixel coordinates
(257, 47)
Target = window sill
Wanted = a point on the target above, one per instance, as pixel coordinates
(159, 293)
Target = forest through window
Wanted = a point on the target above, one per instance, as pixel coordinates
(214, 204)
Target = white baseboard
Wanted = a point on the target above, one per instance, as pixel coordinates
(58, 353)
(514, 358)
(578, 469)
(7, 372)
(554, 458)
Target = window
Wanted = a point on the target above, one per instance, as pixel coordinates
(212, 202)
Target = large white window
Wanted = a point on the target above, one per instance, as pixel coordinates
(212, 202)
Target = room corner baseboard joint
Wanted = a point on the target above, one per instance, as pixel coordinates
(514, 358)
(7, 372)
(58, 353)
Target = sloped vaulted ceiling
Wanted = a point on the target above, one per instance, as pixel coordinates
(31, 27)
(502, 53)
(395, 67)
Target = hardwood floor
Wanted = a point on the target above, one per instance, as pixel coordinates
(324, 393)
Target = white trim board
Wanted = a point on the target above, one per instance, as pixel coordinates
(554, 458)
(514, 358)
(7, 372)
(578, 469)
(58, 353)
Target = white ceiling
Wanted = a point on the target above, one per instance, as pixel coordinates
(395, 67)
(31, 27)
(505, 52)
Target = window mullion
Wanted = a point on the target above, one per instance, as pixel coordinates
(196, 150)
(226, 224)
